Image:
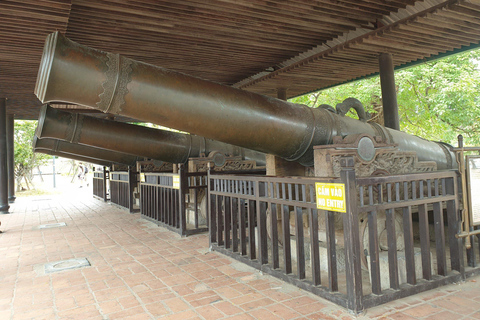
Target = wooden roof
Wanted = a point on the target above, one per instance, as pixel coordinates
(259, 46)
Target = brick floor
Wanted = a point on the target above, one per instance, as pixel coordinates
(142, 271)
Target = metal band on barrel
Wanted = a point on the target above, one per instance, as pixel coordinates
(448, 155)
(115, 85)
(379, 131)
(307, 138)
(73, 135)
(55, 147)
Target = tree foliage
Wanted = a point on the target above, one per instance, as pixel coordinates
(437, 100)
(25, 159)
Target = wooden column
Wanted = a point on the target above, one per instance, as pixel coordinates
(3, 158)
(389, 94)
(11, 157)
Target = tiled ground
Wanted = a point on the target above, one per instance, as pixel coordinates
(141, 271)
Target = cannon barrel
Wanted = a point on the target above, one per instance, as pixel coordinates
(73, 73)
(92, 153)
(167, 146)
(74, 157)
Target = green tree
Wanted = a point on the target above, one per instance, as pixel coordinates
(441, 99)
(437, 100)
(25, 159)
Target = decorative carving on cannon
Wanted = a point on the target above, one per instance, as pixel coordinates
(372, 157)
(154, 166)
(234, 163)
(119, 167)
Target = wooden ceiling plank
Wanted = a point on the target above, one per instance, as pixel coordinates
(277, 16)
(452, 30)
(226, 37)
(153, 24)
(399, 33)
(427, 31)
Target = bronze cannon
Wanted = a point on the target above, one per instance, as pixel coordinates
(82, 152)
(73, 157)
(167, 146)
(73, 73)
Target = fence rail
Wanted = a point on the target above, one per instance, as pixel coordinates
(404, 224)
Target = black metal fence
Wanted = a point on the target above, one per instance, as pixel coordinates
(178, 201)
(473, 254)
(424, 207)
(175, 200)
(160, 199)
(396, 238)
(100, 184)
(122, 184)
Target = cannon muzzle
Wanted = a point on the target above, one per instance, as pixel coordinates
(70, 72)
(87, 153)
(73, 157)
(167, 146)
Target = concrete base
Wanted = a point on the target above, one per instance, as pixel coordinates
(402, 271)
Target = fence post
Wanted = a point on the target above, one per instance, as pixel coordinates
(352, 237)
(211, 212)
(182, 173)
(260, 192)
(454, 227)
(104, 184)
(131, 186)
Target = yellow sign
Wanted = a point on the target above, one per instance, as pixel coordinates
(176, 182)
(142, 177)
(331, 196)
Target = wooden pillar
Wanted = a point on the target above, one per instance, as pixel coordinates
(11, 157)
(389, 94)
(3, 157)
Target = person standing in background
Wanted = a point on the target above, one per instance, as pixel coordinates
(81, 174)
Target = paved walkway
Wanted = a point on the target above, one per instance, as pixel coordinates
(142, 271)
